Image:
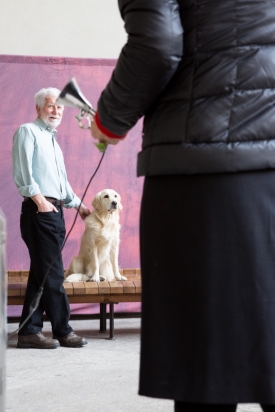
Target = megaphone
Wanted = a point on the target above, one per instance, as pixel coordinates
(72, 96)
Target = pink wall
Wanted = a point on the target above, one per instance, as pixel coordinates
(20, 78)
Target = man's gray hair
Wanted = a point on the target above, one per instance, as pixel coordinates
(43, 93)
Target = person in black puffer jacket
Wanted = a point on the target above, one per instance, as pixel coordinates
(202, 74)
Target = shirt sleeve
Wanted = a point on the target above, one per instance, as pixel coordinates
(22, 154)
(71, 199)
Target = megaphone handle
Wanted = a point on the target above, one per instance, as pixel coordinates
(83, 115)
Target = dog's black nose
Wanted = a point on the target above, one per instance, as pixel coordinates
(114, 204)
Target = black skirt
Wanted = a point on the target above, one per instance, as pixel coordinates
(208, 281)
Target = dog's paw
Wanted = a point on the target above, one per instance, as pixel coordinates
(94, 279)
(101, 279)
(120, 277)
(77, 277)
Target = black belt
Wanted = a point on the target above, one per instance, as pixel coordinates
(52, 200)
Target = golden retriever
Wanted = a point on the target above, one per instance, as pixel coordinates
(98, 255)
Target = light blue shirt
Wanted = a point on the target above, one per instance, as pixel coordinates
(38, 164)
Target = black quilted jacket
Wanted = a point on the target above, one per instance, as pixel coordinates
(203, 74)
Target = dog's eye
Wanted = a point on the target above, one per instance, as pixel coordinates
(115, 195)
(106, 196)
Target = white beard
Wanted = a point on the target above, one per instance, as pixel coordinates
(52, 123)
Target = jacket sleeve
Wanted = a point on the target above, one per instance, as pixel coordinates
(146, 63)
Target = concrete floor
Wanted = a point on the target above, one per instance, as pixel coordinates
(100, 377)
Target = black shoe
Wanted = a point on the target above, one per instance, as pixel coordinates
(71, 340)
(38, 341)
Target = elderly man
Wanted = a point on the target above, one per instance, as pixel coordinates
(41, 179)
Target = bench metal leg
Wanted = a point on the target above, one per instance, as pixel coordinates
(111, 321)
(102, 317)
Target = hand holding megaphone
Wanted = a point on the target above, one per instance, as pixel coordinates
(72, 96)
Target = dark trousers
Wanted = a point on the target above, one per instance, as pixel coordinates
(44, 234)
(201, 407)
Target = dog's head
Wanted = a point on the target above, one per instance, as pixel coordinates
(107, 201)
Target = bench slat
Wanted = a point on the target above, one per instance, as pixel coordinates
(137, 284)
(116, 287)
(23, 287)
(130, 297)
(68, 288)
(79, 288)
(91, 288)
(128, 286)
(129, 272)
(14, 289)
(14, 276)
(24, 275)
(104, 288)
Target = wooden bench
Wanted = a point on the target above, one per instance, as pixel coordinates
(86, 292)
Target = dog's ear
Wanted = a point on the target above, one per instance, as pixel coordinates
(97, 202)
(119, 204)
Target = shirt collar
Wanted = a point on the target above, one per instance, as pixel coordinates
(42, 125)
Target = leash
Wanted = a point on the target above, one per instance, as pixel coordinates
(102, 147)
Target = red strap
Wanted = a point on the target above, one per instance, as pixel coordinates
(106, 131)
